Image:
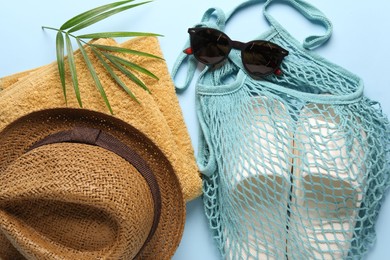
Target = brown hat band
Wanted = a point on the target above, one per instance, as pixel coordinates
(91, 136)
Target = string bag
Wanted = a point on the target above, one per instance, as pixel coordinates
(295, 166)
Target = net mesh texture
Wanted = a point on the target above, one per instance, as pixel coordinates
(294, 179)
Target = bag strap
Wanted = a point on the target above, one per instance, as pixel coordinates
(213, 18)
(311, 42)
(311, 12)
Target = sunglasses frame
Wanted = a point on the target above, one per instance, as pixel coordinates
(232, 44)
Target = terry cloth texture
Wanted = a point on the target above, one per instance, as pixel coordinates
(158, 115)
(8, 81)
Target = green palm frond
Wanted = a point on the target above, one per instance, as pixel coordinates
(60, 61)
(102, 16)
(91, 13)
(115, 34)
(94, 75)
(133, 66)
(128, 73)
(105, 54)
(73, 70)
(114, 75)
(124, 50)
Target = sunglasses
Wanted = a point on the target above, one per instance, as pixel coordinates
(211, 47)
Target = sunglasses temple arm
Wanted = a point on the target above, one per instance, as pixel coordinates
(192, 64)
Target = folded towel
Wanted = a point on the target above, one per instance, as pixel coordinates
(158, 115)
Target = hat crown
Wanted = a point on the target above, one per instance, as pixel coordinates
(102, 190)
(99, 201)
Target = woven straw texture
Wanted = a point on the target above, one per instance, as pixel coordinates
(158, 116)
(77, 201)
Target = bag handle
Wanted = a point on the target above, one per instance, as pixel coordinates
(311, 12)
(311, 42)
(207, 21)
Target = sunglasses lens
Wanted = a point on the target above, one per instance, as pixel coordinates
(209, 46)
(261, 58)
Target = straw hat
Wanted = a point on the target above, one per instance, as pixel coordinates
(79, 184)
(158, 115)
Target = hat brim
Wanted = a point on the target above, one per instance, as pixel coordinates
(20, 135)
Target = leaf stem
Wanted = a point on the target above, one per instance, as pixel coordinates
(110, 62)
(51, 28)
(66, 33)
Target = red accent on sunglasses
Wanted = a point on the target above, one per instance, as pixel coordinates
(278, 72)
(188, 51)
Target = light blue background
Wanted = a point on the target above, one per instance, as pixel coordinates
(360, 43)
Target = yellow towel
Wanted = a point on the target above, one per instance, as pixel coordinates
(158, 115)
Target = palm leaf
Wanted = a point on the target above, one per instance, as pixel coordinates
(92, 71)
(133, 66)
(60, 61)
(127, 72)
(109, 61)
(91, 13)
(124, 50)
(115, 34)
(114, 76)
(102, 16)
(72, 67)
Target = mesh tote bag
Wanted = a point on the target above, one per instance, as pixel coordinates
(294, 165)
